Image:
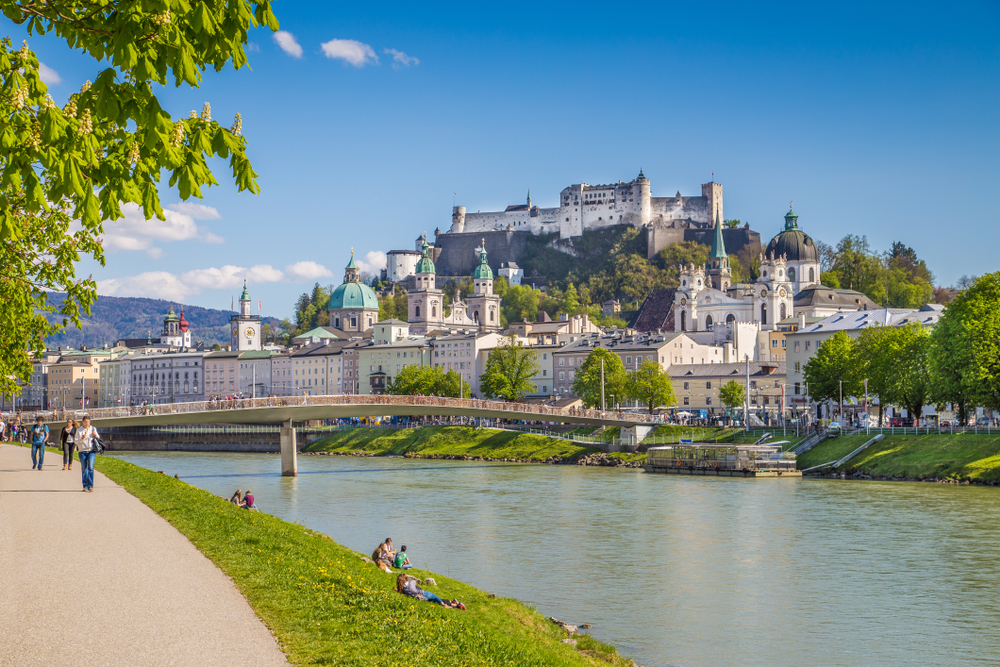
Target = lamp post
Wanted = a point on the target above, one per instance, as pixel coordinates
(841, 407)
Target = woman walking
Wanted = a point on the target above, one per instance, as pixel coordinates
(66, 440)
(87, 449)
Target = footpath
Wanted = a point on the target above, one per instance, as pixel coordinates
(100, 579)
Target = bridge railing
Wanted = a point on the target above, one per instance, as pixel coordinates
(529, 410)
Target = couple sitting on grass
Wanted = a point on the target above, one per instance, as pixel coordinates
(385, 557)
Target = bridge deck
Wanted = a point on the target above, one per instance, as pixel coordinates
(308, 408)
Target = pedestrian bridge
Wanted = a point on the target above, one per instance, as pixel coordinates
(288, 410)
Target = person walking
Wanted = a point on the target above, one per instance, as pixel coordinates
(87, 451)
(66, 440)
(39, 436)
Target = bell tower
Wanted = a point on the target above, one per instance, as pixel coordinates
(245, 329)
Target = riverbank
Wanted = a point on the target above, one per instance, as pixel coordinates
(951, 458)
(466, 443)
(325, 605)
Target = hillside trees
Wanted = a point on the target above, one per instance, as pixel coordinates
(587, 383)
(310, 309)
(509, 370)
(107, 146)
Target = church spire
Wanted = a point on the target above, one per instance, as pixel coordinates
(718, 244)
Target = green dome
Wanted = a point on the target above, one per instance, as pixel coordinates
(425, 265)
(353, 295)
(483, 271)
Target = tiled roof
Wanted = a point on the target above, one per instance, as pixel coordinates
(736, 370)
(656, 312)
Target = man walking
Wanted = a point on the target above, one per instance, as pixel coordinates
(39, 436)
(87, 449)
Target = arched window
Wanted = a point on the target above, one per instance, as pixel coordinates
(791, 274)
(416, 312)
(683, 321)
(475, 317)
(812, 275)
(491, 315)
(784, 312)
(434, 311)
(763, 313)
(730, 318)
(708, 322)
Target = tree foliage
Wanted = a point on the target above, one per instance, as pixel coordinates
(732, 394)
(895, 279)
(587, 383)
(310, 309)
(894, 361)
(427, 381)
(651, 385)
(965, 347)
(835, 365)
(509, 370)
(108, 146)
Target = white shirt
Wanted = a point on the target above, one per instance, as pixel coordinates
(84, 438)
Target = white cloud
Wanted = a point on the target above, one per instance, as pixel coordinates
(196, 211)
(400, 59)
(177, 287)
(301, 272)
(355, 52)
(288, 43)
(134, 232)
(49, 76)
(373, 262)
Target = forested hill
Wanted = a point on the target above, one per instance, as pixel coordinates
(113, 318)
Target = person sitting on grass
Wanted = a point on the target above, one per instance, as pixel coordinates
(381, 560)
(237, 498)
(402, 561)
(248, 501)
(390, 553)
(407, 585)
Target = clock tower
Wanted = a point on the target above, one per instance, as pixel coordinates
(244, 328)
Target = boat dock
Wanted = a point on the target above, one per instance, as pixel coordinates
(721, 460)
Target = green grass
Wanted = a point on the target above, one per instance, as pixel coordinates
(449, 441)
(327, 607)
(960, 456)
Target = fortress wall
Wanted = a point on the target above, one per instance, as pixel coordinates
(458, 255)
(658, 238)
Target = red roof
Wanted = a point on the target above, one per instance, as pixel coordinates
(183, 323)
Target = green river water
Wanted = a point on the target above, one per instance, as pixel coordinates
(671, 570)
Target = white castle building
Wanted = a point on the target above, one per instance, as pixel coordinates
(584, 207)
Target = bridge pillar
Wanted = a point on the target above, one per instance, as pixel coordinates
(289, 464)
(633, 435)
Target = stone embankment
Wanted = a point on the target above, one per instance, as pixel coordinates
(887, 478)
(599, 459)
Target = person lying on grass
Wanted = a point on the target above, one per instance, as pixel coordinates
(407, 585)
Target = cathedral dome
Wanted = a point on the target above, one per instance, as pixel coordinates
(353, 295)
(483, 271)
(794, 244)
(425, 264)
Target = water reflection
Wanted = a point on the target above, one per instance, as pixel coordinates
(674, 571)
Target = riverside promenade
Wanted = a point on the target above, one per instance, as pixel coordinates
(100, 579)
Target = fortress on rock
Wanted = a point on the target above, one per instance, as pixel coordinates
(584, 207)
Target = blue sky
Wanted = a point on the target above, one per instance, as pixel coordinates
(875, 118)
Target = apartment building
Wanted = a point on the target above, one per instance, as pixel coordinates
(697, 386)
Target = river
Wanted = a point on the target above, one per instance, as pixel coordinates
(690, 572)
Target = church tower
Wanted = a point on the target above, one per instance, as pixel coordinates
(484, 305)
(425, 302)
(717, 268)
(244, 327)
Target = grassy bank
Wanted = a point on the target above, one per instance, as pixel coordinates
(449, 441)
(960, 456)
(327, 607)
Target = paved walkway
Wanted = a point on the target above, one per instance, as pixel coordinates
(100, 579)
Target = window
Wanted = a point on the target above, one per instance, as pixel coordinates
(753, 400)
(783, 344)
(562, 375)
(708, 385)
(628, 360)
(798, 368)
(797, 389)
(687, 401)
(708, 400)
(753, 384)
(687, 385)
(807, 346)
(774, 342)
(562, 361)
(416, 311)
(796, 346)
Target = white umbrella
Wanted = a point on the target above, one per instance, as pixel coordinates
(682, 414)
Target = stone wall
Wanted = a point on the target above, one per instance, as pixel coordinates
(457, 254)
(658, 238)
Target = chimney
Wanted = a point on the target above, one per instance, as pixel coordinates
(802, 321)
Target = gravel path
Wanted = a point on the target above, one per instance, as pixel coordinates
(100, 579)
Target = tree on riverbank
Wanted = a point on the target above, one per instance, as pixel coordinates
(649, 384)
(65, 171)
(732, 394)
(833, 371)
(587, 384)
(509, 370)
(428, 381)
(965, 348)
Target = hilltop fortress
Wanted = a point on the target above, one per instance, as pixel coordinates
(584, 207)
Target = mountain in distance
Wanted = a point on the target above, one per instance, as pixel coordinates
(115, 317)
